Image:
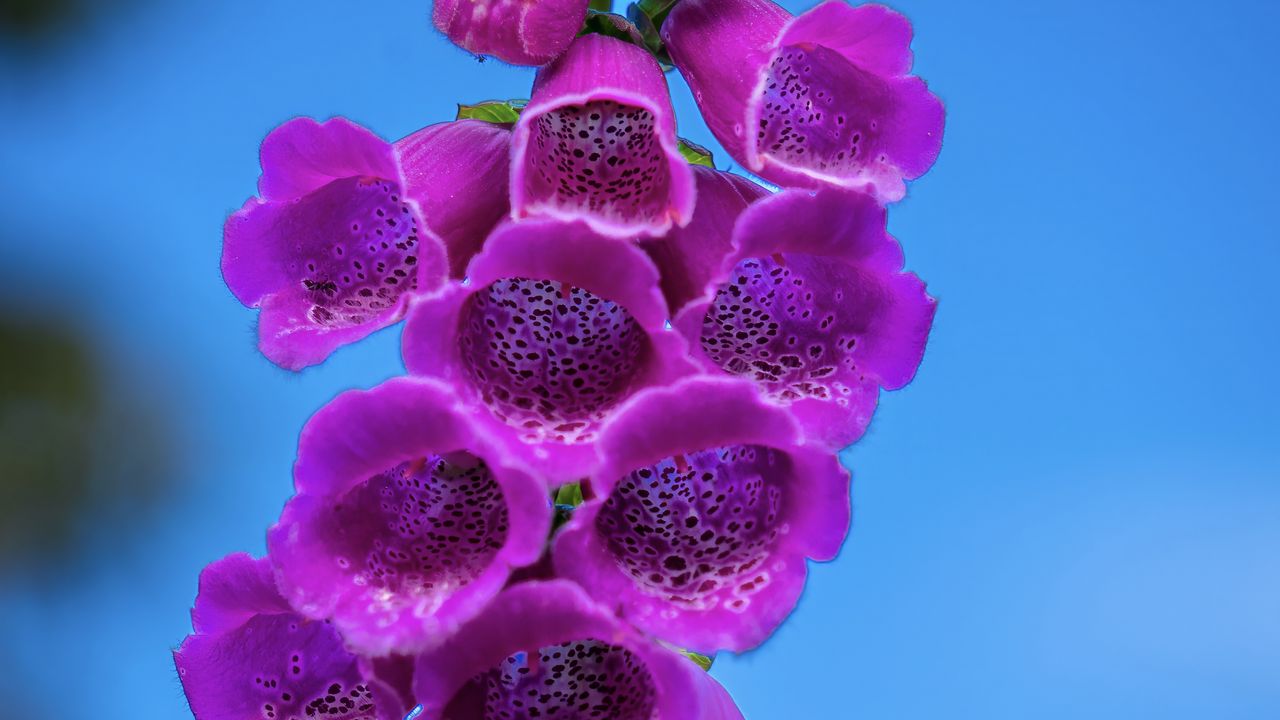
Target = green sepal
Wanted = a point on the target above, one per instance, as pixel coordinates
(703, 661)
(695, 154)
(499, 112)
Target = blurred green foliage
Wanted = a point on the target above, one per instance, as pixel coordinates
(78, 449)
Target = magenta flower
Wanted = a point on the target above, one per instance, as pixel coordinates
(554, 328)
(251, 656)
(456, 173)
(520, 32)
(597, 142)
(545, 650)
(407, 520)
(820, 99)
(687, 257)
(705, 505)
(812, 305)
(333, 246)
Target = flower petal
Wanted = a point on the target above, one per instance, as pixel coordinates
(546, 647)
(407, 519)
(302, 156)
(553, 329)
(706, 504)
(597, 142)
(687, 257)
(232, 590)
(457, 174)
(813, 306)
(520, 32)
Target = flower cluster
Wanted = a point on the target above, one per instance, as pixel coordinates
(629, 372)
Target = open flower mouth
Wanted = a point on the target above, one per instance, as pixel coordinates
(408, 538)
(790, 323)
(820, 112)
(697, 528)
(361, 254)
(601, 157)
(547, 359)
(572, 681)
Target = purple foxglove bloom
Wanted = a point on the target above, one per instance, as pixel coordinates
(824, 98)
(544, 650)
(457, 173)
(687, 257)
(597, 142)
(252, 657)
(705, 505)
(406, 522)
(554, 327)
(520, 32)
(332, 248)
(812, 305)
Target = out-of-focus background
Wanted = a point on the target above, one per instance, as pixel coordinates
(1073, 512)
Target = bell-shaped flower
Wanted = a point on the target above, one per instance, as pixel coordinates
(520, 32)
(457, 173)
(251, 656)
(688, 257)
(554, 327)
(813, 306)
(407, 519)
(824, 98)
(704, 507)
(332, 247)
(597, 142)
(544, 649)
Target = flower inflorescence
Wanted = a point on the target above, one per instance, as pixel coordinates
(629, 372)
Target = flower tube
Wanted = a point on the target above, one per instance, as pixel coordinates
(705, 505)
(824, 98)
(553, 329)
(332, 248)
(520, 32)
(407, 520)
(813, 306)
(543, 649)
(252, 656)
(597, 142)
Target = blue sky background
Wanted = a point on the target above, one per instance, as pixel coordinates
(1073, 512)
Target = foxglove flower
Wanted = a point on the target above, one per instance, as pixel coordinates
(597, 142)
(520, 32)
(544, 650)
(813, 305)
(456, 172)
(706, 504)
(251, 656)
(332, 247)
(554, 327)
(687, 257)
(407, 520)
(824, 98)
